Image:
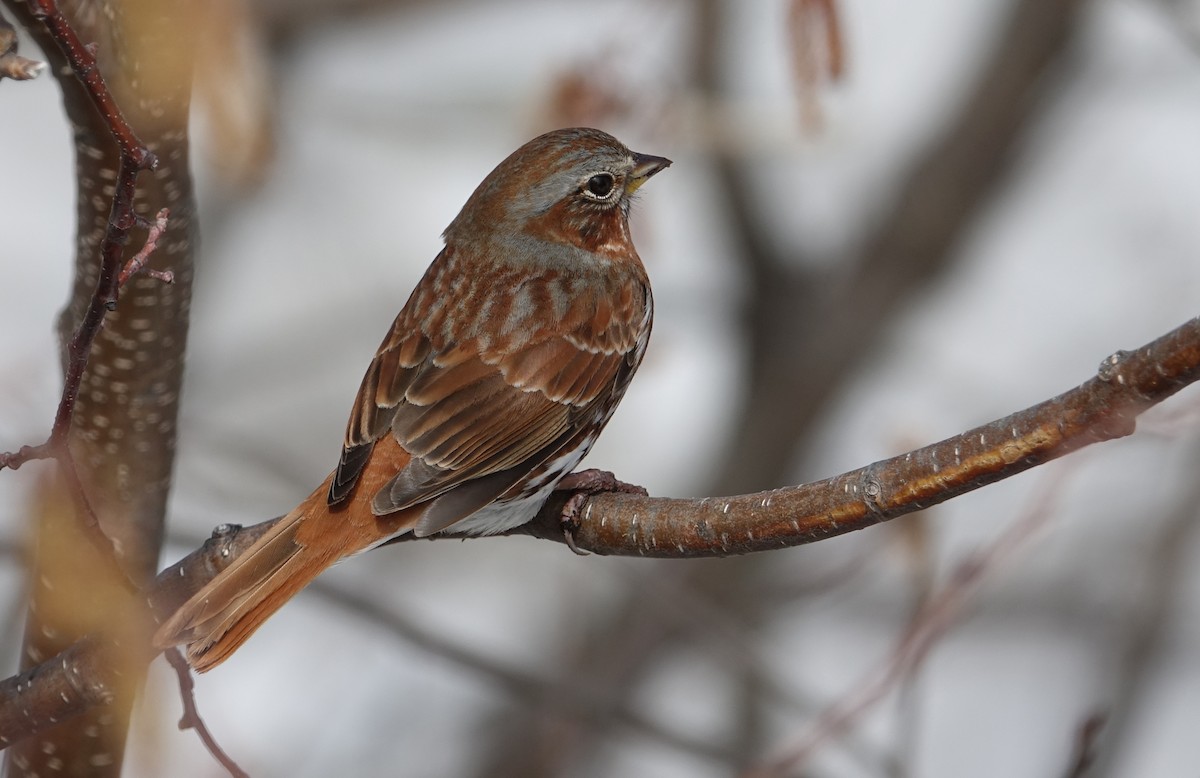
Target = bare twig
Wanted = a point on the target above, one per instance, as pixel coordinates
(83, 677)
(134, 158)
(138, 261)
(191, 715)
(82, 59)
(1086, 746)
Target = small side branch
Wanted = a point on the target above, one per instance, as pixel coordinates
(138, 261)
(134, 157)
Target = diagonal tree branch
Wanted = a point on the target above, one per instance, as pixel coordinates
(1103, 408)
(808, 330)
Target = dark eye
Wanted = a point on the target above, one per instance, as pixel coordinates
(600, 185)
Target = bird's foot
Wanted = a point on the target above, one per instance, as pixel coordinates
(583, 484)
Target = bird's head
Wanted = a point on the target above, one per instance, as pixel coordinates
(572, 186)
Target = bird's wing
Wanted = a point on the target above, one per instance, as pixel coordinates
(477, 408)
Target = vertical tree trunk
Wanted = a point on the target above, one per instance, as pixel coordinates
(123, 437)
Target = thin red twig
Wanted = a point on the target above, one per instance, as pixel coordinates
(82, 59)
(138, 260)
(136, 264)
(134, 157)
(77, 358)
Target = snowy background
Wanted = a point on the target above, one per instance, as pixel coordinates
(511, 656)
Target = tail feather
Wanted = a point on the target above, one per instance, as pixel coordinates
(229, 608)
(223, 614)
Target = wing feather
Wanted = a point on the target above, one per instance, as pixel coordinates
(470, 407)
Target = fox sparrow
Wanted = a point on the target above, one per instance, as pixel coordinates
(494, 381)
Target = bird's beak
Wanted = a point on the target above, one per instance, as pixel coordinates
(644, 166)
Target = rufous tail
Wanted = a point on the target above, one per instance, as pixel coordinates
(229, 608)
(216, 620)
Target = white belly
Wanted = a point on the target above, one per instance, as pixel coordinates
(504, 515)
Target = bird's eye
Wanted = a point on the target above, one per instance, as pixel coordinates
(600, 185)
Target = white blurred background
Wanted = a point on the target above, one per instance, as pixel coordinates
(370, 124)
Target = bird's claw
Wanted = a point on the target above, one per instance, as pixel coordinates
(584, 484)
(569, 520)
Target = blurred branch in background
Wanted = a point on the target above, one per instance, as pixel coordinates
(1142, 630)
(807, 331)
(235, 94)
(931, 621)
(818, 54)
(1184, 18)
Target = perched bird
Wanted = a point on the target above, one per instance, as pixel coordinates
(494, 381)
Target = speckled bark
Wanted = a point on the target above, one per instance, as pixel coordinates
(123, 435)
